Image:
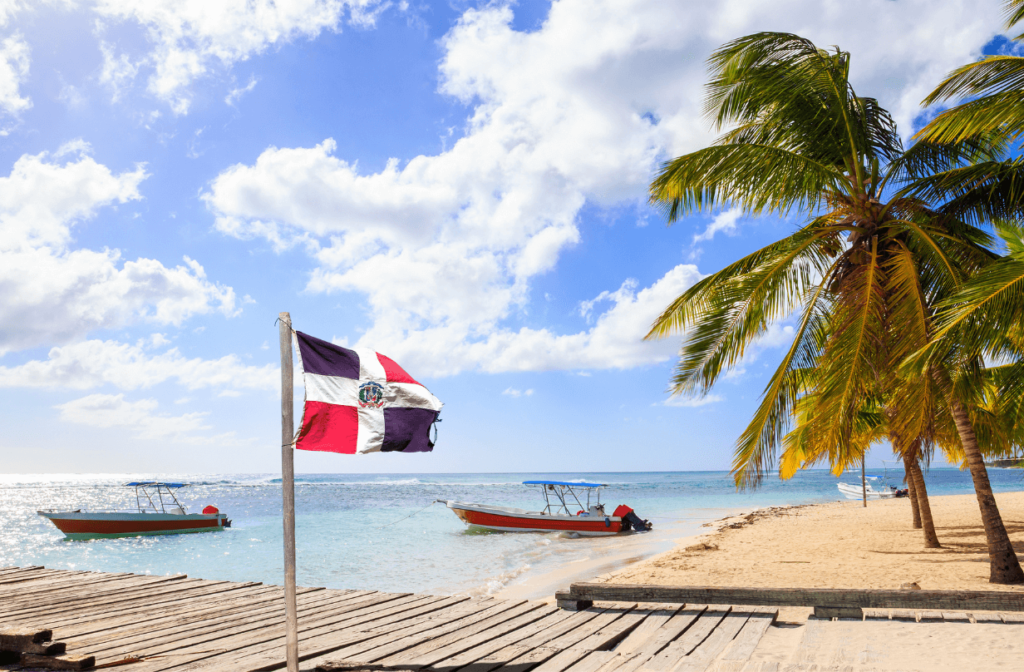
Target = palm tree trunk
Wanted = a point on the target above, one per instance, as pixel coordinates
(931, 540)
(911, 491)
(1003, 564)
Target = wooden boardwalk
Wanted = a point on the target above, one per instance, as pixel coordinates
(178, 623)
(175, 623)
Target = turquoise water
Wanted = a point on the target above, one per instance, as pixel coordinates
(380, 532)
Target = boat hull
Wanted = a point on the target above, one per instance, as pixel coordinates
(83, 526)
(855, 492)
(504, 519)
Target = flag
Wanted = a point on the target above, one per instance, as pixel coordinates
(359, 401)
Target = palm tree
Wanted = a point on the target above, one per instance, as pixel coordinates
(995, 85)
(870, 426)
(801, 139)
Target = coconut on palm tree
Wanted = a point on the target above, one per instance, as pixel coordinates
(861, 275)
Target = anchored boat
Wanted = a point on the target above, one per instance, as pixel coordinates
(564, 511)
(158, 512)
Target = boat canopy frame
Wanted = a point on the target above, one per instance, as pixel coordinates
(149, 488)
(563, 489)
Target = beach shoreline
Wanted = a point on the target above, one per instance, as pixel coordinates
(836, 545)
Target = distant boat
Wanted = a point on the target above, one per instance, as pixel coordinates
(564, 511)
(856, 491)
(158, 512)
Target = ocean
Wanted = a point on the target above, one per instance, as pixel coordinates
(382, 532)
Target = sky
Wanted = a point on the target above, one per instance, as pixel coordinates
(458, 185)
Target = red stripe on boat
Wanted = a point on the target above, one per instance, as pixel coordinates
(74, 526)
(578, 525)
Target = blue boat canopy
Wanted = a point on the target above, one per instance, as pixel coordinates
(569, 483)
(135, 484)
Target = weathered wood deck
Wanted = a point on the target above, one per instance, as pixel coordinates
(178, 623)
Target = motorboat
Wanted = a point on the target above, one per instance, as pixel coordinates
(158, 511)
(564, 511)
(858, 492)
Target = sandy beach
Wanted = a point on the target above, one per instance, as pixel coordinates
(844, 545)
(837, 545)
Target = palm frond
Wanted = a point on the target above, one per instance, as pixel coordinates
(757, 178)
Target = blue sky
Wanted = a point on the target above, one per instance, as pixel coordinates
(457, 185)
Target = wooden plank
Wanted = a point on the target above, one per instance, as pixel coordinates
(151, 634)
(1012, 618)
(225, 607)
(563, 660)
(266, 624)
(195, 601)
(191, 591)
(106, 598)
(651, 624)
(75, 589)
(876, 614)
(533, 643)
(68, 584)
(592, 662)
(443, 648)
(68, 579)
(955, 617)
(201, 648)
(611, 634)
(519, 632)
(705, 654)
(741, 648)
(332, 647)
(986, 617)
(83, 602)
(946, 600)
(630, 659)
(269, 653)
(29, 576)
(604, 631)
(16, 638)
(566, 649)
(62, 582)
(154, 597)
(685, 645)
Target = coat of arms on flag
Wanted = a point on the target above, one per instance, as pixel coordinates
(359, 401)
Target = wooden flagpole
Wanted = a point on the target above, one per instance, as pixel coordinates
(288, 490)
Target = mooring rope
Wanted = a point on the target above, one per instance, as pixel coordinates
(413, 513)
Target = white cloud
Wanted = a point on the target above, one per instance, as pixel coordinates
(118, 71)
(235, 94)
(55, 294)
(91, 364)
(723, 222)
(191, 38)
(513, 392)
(107, 411)
(614, 342)
(111, 410)
(14, 62)
(693, 402)
(582, 109)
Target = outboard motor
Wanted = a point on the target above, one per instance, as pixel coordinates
(631, 521)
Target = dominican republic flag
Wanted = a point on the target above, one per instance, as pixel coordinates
(359, 401)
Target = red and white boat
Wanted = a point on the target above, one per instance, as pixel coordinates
(564, 511)
(158, 512)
